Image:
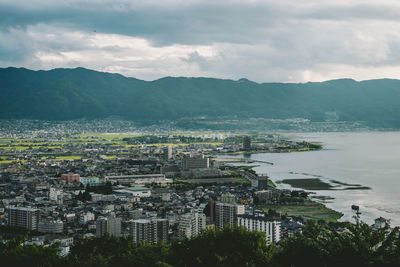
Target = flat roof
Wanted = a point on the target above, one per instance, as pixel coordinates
(138, 188)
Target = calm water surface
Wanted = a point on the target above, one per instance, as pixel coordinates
(368, 158)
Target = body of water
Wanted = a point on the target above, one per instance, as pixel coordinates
(369, 158)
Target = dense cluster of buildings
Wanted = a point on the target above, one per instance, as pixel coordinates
(143, 195)
(149, 214)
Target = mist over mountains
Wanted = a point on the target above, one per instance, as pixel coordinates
(65, 94)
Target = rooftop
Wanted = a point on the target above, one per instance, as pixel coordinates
(137, 188)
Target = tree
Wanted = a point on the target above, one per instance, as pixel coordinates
(226, 247)
(357, 245)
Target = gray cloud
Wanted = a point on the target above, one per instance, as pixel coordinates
(261, 40)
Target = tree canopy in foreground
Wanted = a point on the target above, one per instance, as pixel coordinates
(319, 245)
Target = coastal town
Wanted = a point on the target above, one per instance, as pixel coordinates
(61, 184)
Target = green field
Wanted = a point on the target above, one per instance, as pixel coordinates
(14, 147)
(68, 158)
(316, 184)
(109, 136)
(308, 184)
(12, 161)
(315, 211)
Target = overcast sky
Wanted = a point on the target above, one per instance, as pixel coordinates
(264, 41)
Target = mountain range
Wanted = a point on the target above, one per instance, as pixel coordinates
(65, 94)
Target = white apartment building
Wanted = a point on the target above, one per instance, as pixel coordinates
(191, 224)
(86, 217)
(271, 227)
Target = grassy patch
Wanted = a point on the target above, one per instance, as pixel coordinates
(12, 161)
(68, 158)
(271, 184)
(107, 135)
(316, 184)
(342, 183)
(15, 147)
(308, 184)
(357, 188)
(312, 211)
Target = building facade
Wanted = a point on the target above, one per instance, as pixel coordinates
(54, 227)
(86, 217)
(262, 181)
(191, 224)
(270, 227)
(141, 179)
(228, 198)
(70, 177)
(149, 230)
(226, 214)
(27, 218)
(195, 162)
(89, 180)
(110, 225)
(167, 153)
(56, 195)
(246, 143)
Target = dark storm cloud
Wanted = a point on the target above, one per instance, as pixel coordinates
(179, 23)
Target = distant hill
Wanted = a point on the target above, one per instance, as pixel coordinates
(64, 94)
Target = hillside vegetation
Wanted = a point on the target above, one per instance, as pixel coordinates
(64, 94)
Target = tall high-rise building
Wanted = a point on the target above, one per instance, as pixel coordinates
(143, 230)
(167, 152)
(191, 224)
(246, 143)
(210, 210)
(262, 182)
(271, 227)
(110, 225)
(149, 230)
(226, 214)
(27, 218)
(162, 230)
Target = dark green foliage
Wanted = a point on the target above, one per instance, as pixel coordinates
(110, 251)
(319, 245)
(358, 245)
(85, 196)
(13, 254)
(228, 247)
(105, 189)
(63, 94)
